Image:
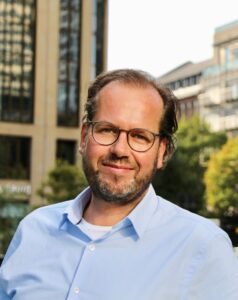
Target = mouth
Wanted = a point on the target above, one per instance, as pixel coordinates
(117, 168)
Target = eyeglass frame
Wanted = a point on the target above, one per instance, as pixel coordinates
(93, 123)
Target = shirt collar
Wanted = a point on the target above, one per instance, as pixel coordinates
(139, 217)
(74, 211)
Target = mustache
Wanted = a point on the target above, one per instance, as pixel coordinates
(114, 159)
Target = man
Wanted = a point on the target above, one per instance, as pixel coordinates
(117, 240)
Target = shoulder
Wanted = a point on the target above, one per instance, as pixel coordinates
(46, 216)
(41, 221)
(189, 224)
(38, 226)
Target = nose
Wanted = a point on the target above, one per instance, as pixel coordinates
(121, 148)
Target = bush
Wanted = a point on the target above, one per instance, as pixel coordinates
(182, 181)
(11, 213)
(221, 180)
(63, 182)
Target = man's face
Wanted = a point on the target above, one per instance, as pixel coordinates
(116, 173)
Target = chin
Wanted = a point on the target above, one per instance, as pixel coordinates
(119, 193)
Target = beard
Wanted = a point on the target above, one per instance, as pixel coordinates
(117, 190)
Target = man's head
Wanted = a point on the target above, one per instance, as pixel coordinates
(168, 122)
(127, 133)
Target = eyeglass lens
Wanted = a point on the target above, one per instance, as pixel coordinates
(138, 139)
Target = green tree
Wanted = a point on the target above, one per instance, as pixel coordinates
(11, 212)
(221, 179)
(182, 180)
(63, 182)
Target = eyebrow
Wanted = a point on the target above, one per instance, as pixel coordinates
(118, 127)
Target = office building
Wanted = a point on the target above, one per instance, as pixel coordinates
(49, 52)
(210, 88)
(219, 99)
(185, 81)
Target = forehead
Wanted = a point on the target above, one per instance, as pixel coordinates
(119, 101)
(116, 89)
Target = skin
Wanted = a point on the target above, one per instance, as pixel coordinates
(118, 166)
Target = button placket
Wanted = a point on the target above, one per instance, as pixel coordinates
(79, 284)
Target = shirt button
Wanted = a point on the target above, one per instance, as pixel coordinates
(91, 247)
(76, 290)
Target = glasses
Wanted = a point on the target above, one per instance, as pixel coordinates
(140, 140)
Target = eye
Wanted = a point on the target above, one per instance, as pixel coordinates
(108, 130)
(105, 129)
(141, 136)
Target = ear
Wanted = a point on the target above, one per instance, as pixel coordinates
(83, 140)
(161, 152)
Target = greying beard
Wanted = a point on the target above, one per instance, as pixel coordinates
(127, 194)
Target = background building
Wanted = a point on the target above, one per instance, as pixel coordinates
(210, 88)
(185, 81)
(219, 100)
(49, 52)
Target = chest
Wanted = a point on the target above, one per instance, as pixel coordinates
(115, 269)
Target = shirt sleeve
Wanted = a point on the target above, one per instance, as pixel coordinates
(215, 275)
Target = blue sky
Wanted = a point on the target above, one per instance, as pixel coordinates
(156, 35)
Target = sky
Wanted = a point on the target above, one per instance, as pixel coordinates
(159, 35)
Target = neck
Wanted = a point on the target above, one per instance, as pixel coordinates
(102, 213)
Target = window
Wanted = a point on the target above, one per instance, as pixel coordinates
(233, 52)
(17, 40)
(69, 63)
(15, 153)
(234, 91)
(66, 150)
(231, 90)
(177, 84)
(98, 37)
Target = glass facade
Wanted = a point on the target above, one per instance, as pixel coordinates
(98, 37)
(69, 58)
(66, 150)
(30, 81)
(17, 42)
(69, 63)
(15, 153)
(185, 82)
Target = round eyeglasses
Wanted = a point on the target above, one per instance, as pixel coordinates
(139, 139)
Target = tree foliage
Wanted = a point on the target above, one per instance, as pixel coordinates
(63, 182)
(182, 180)
(221, 179)
(11, 212)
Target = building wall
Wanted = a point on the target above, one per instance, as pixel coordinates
(186, 89)
(210, 88)
(43, 131)
(219, 100)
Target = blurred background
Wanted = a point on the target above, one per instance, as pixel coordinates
(49, 53)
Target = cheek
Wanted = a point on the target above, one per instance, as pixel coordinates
(147, 162)
(93, 153)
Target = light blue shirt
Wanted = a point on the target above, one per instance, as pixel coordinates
(158, 252)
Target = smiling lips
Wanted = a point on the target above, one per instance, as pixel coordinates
(119, 167)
